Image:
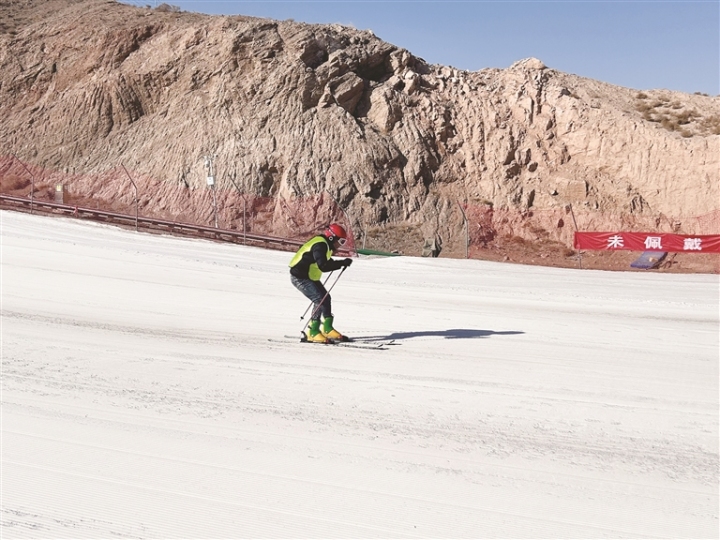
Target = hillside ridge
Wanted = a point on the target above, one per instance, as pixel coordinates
(290, 109)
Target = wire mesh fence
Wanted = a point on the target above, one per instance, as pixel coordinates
(300, 217)
(122, 191)
(486, 225)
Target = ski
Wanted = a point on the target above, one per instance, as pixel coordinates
(359, 341)
(385, 342)
(372, 346)
(380, 346)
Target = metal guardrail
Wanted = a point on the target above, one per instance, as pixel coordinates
(8, 202)
(376, 252)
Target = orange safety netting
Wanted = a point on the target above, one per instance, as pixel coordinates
(122, 191)
(300, 217)
(486, 224)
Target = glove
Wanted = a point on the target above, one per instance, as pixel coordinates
(346, 262)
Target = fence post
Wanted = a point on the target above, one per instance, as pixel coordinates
(136, 195)
(211, 183)
(32, 187)
(244, 220)
(467, 234)
(572, 213)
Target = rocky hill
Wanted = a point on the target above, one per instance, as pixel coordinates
(289, 109)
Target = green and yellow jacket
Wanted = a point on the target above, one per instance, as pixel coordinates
(314, 258)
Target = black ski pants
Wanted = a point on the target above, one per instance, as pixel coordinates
(315, 292)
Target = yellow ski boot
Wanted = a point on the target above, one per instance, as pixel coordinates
(329, 332)
(314, 335)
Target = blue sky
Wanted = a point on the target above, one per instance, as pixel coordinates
(637, 44)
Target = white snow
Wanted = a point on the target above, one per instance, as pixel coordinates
(142, 396)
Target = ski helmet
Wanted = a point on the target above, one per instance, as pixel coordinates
(336, 232)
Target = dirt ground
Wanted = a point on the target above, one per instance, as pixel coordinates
(546, 253)
(680, 263)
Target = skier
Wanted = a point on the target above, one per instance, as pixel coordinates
(306, 269)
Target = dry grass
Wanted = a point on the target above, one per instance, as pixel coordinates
(404, 239)
(676, 117)
(711, 124)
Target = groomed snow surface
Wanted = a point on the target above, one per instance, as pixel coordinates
(142, 396)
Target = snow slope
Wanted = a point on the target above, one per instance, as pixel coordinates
(141, 396)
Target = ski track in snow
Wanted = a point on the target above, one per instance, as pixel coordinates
(141, 397)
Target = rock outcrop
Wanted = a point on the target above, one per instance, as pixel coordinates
(291, 109)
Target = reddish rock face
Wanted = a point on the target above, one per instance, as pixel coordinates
(289, 109)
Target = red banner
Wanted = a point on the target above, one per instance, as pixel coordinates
(633, 241)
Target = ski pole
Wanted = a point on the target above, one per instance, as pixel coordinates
(312, 303)
(323, 298)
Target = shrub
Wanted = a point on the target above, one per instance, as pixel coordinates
(684, 117)
(167, 8)
(711, 124)
(669, 124)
